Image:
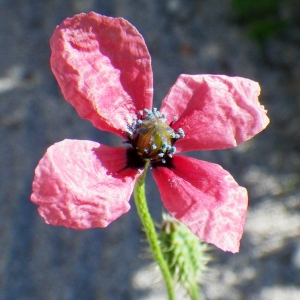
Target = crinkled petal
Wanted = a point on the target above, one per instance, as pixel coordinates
(206, 199)
(215, 111)
(103, 68)
(82, 184)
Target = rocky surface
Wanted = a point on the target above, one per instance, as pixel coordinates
(38, 261)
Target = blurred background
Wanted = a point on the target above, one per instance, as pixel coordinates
(259, 40)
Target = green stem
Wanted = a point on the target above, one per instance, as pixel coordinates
(142, 208)
(193, 291)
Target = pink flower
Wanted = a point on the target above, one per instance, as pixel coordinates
(103, 68)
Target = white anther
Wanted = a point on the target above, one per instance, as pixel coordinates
(173, 150)
(149, 116)
(181, 132)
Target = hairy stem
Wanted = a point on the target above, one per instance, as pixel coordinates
(142, 208)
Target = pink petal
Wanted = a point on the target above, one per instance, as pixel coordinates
(206, 199)
(103, 68)
(75, 184)
(215, 111)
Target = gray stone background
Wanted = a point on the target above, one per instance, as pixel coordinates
(41, 262)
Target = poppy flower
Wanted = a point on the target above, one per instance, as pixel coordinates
(103, 68)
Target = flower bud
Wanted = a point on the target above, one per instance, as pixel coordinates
(184, 253)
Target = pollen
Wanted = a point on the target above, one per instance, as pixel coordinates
(152, 138)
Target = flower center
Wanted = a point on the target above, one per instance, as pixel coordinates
(152, 139)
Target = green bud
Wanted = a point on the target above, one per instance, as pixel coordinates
(184, 253)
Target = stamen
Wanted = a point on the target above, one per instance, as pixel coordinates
(152, 138)
(163, 117)
(163, 147)
(157, 114)
(149, 116)
(173, 150)
(181, 132)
